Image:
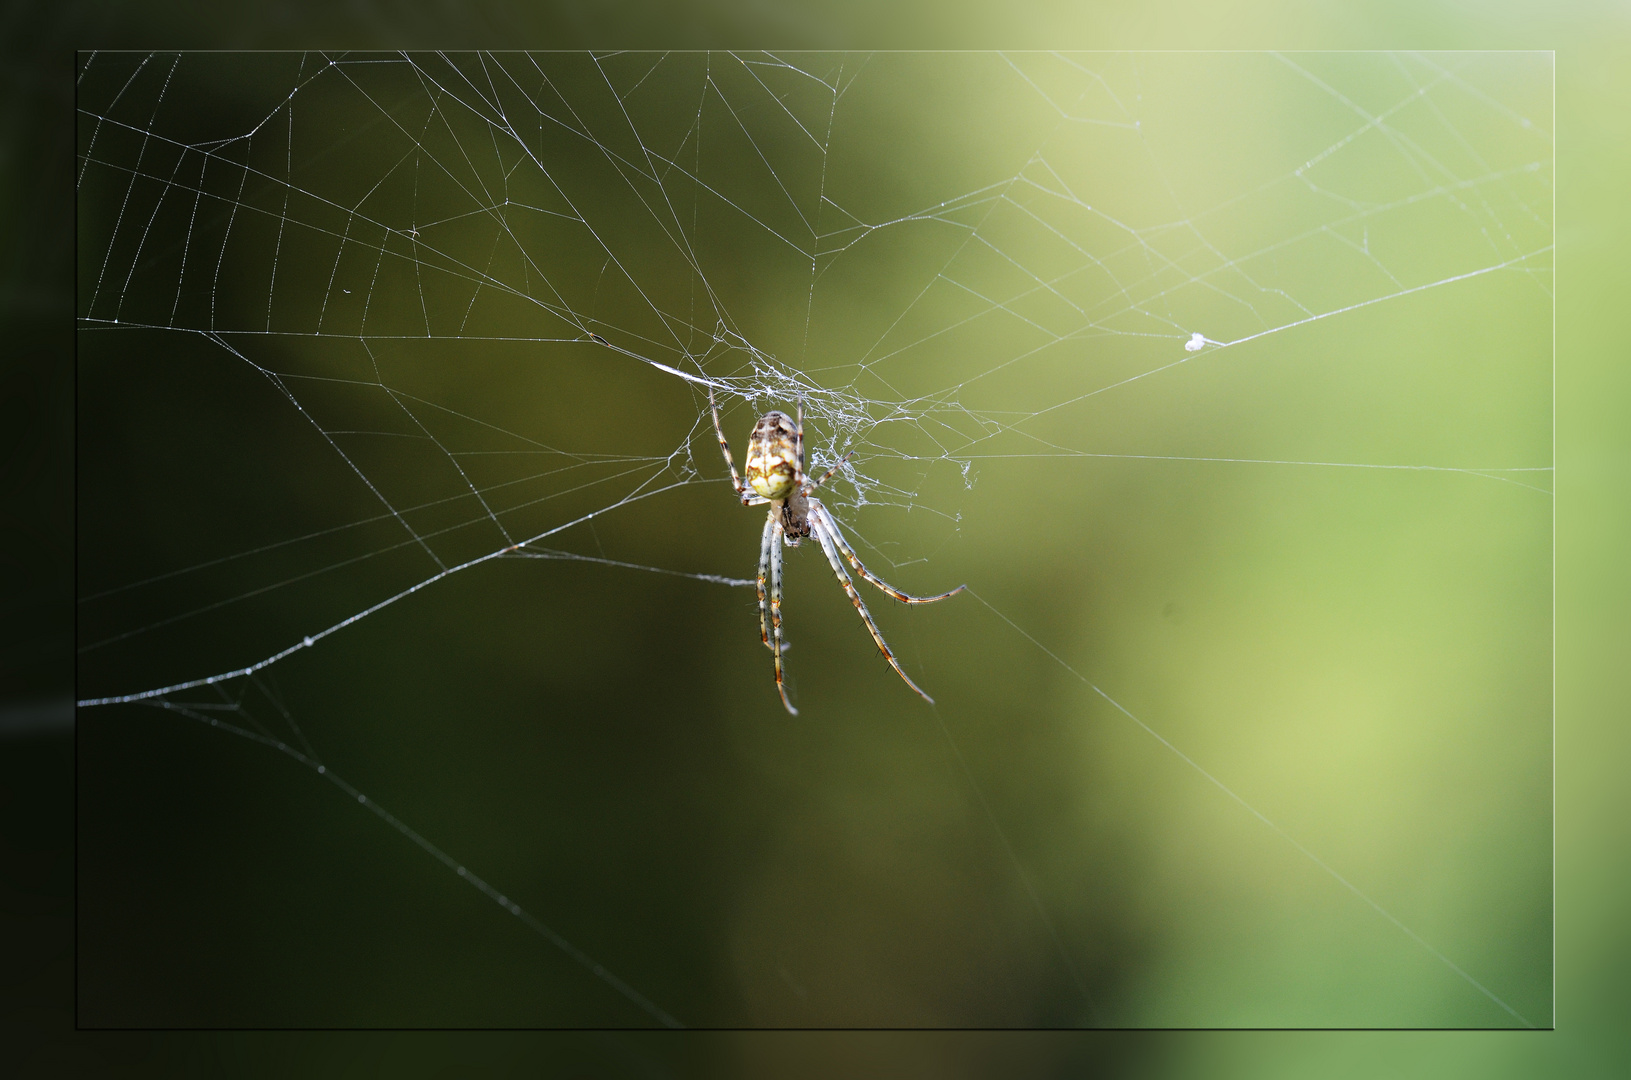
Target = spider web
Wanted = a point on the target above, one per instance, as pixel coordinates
(375, 349)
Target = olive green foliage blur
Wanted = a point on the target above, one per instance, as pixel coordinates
(1298, 563)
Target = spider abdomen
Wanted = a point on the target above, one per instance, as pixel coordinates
(772, 463)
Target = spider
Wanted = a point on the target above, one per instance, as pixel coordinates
(775, 475)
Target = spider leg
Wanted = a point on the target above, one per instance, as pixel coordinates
(774, 529)
(828, 475)
(730, 462)
(765, 544)
(829, 526)
(798, 447)
(821, 525)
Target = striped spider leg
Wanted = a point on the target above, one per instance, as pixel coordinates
(775, 476)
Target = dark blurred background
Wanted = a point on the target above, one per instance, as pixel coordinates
(39, 759)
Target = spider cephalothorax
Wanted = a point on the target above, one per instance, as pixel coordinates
(775, 475)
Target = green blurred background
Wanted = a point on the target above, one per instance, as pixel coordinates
(1237, 605)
